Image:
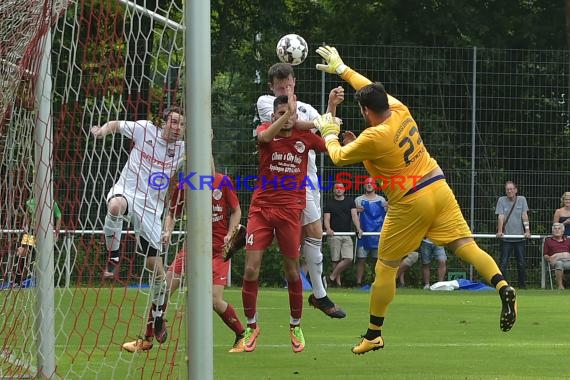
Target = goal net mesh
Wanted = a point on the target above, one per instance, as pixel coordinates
(109, 61)
(487, 115)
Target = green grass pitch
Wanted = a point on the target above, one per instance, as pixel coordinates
(428, 335)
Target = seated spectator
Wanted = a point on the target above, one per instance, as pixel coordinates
(26, 252)
(557, 252)
(562, 215)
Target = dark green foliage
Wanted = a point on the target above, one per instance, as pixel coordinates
(521, 95)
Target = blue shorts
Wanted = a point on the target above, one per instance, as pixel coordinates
(430, 251)
(363, 253)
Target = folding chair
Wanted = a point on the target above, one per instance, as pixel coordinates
(546, 268)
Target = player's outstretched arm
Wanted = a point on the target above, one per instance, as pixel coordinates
(336, 96)
(365, 147)
(334, 64)
(268, 134)
(105, 129)
(303, 125)
(328, 125)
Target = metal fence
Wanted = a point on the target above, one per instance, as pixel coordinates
(70, 246)
(486, 115)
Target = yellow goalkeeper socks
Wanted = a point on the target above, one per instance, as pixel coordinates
(382, 293)
(483, 263)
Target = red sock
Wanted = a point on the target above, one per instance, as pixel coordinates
(249, 298)
(295, 298)
(231, 320)
(150, 323)
(20, 270)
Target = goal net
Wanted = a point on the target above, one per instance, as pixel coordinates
(107, 61)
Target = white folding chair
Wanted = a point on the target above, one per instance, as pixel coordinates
(546, 268)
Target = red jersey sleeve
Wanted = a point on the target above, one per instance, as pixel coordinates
(262, 127)
(316, 142)
(229, 193)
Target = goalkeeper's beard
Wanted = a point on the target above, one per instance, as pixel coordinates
(367, 122)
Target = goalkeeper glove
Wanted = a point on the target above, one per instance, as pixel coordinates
(328, 125)
(334, 62)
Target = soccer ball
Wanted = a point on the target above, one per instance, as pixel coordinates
(292, 49)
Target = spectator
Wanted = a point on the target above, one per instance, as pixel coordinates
(26, 252)
(371, 209)
(562, 215)
(557, 252)
(512, 211)
(339, 212)
(429, 251)
(406, 263)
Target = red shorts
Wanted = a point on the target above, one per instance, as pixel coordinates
(265, 224)
(219, 267)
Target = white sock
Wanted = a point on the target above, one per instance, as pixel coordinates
(113, 227)
(314, 260)
(294, 321)
(253, 320)
(158, 295)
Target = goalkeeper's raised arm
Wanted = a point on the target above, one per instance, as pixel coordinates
(391, 147)
(334, 64)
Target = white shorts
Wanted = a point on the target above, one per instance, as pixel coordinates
(312, 211)
(146, 221)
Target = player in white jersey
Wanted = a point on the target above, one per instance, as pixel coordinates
(280, 76)
(157, 153)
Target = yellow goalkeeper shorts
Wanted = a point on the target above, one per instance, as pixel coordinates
(431, 212)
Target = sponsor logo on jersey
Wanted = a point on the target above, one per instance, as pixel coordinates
(300, 146)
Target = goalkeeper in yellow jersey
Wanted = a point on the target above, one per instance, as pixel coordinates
(421, 202)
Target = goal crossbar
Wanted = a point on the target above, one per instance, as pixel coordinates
(153, 15)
